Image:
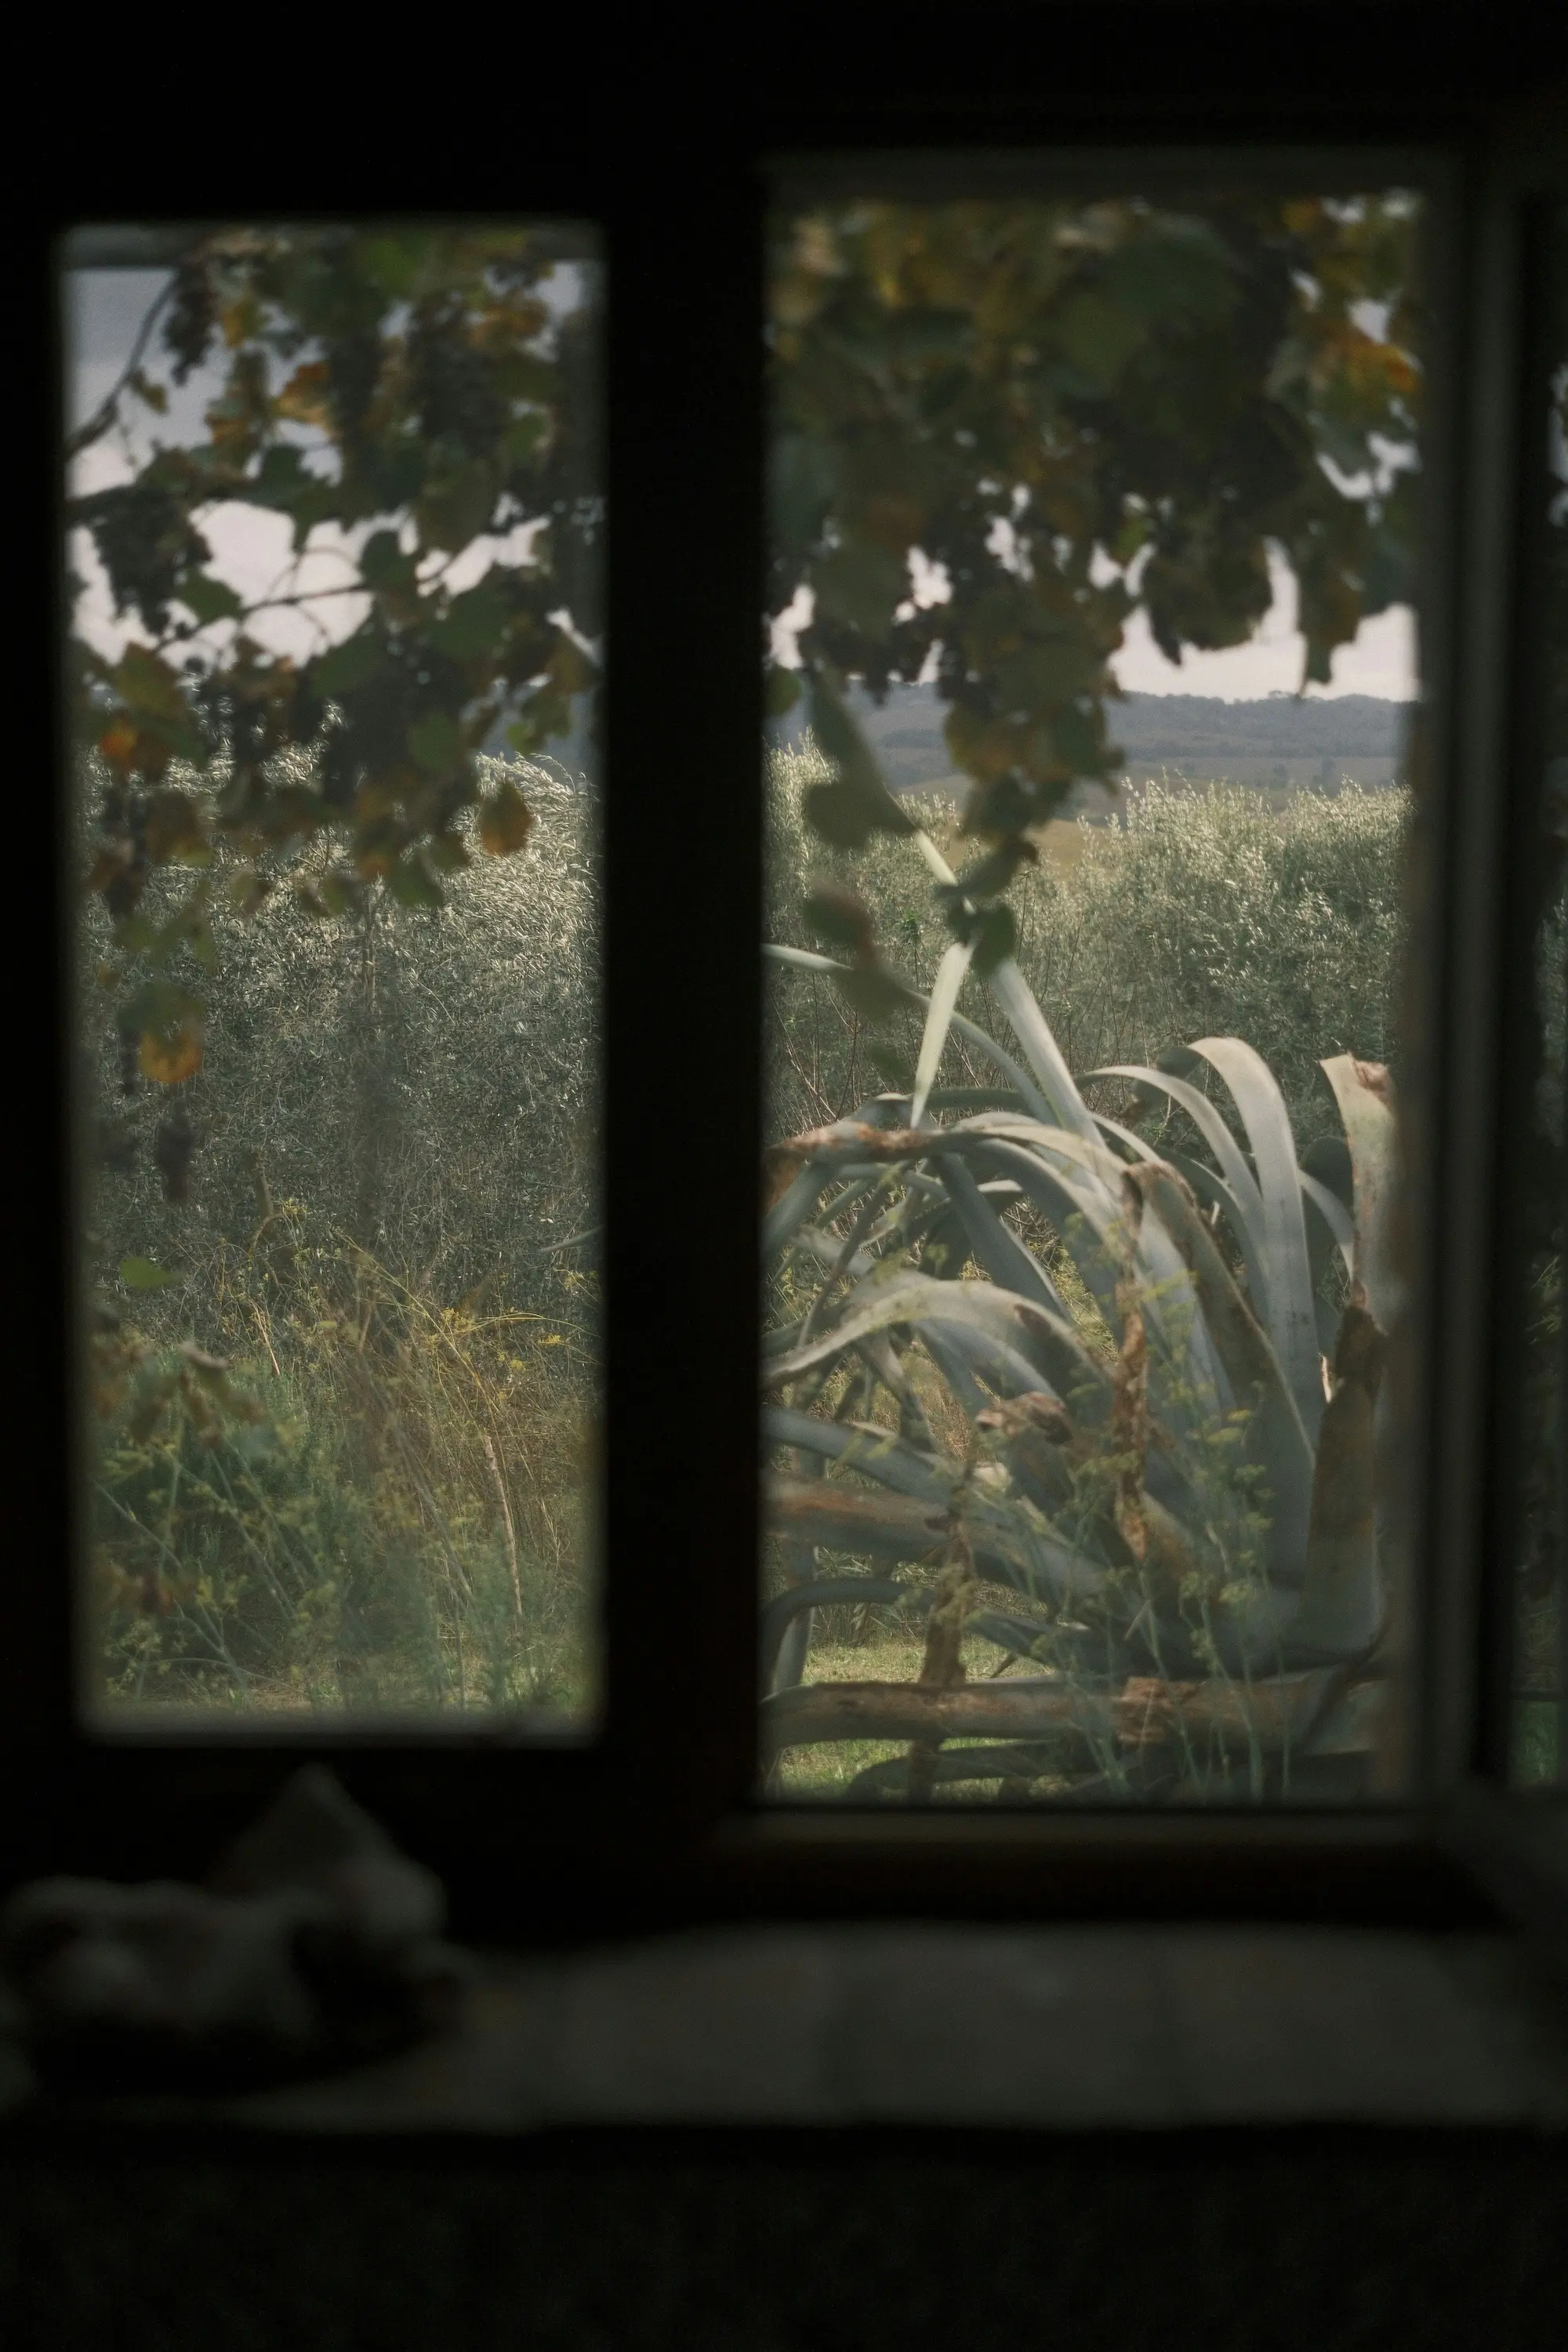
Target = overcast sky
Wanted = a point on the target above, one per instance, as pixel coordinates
(252, 551)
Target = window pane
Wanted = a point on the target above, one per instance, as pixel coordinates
(1074, 1419)
(1541, 1687)
(335, 515)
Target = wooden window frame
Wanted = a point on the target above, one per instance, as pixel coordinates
(655, 1822)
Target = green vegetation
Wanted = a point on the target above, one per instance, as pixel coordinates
(1197, 913)
(350, 1387)
(343, 1095)
(391, 1241)
(1101, 1383)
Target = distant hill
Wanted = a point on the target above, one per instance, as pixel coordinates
(1279, 742)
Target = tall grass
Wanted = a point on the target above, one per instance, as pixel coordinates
(1201, 912)
(405, 1526)
(391, 1245)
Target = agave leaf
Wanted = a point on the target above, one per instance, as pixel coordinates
(1353, 1725)
(990, 1326)
(815, 1592)
(1334, 1224)
(1042, 1052)
(1287, 1300)
(828, 1249)
(1017, 1078)
(1000, 1253)
(1077, 1203)
(950, 978)
(877, 1453)
(1071, 1183)
(1019, 1636)
(1362, 1090)
(1008, 986)
(1246, 1204)
(794, 1651)
(878, 1351)
(1276, 1440)
(1212, 1190)
(971, 1399)
(794, 1205)
(1328, 1227)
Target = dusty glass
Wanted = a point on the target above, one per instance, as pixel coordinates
(1091, 651)
(334, 519)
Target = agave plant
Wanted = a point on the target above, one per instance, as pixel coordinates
(1166, 1372)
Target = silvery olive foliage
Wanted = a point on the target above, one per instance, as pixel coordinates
(1191, 912)
(422, 1081)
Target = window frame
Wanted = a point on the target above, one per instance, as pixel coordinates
(655, 1822)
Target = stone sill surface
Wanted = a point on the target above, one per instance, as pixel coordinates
(1092, 2028)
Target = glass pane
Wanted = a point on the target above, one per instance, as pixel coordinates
(1092, 652)
(1541, 1684)
(335, 516)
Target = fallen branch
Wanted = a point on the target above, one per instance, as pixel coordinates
(1274, 1714)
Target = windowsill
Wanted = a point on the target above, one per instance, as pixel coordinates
(1078, 2028)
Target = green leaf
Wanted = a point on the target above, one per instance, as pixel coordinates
(474, 622)
(838, 814)
(892, 1066)
(412, 884)
(208, 599)
(873, 991)
(352, 664)
(840, 738)
(783, 690)
(382, 563)
(436, 741)
(145, 1274)
(1098, 336)
(456, 507)
(395, 264)
(995, 938)
(839, 917)
(1076, 734)
(861, 583)
(149, 686)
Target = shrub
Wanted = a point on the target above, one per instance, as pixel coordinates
(387, 1261)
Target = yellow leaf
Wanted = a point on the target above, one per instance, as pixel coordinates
(118, 745)
(175, 827)
(306, 397)
(505, 822)
(171, 1057)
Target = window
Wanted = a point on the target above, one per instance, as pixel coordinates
(655, 1813)
(335, 512)
(1032, 444)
